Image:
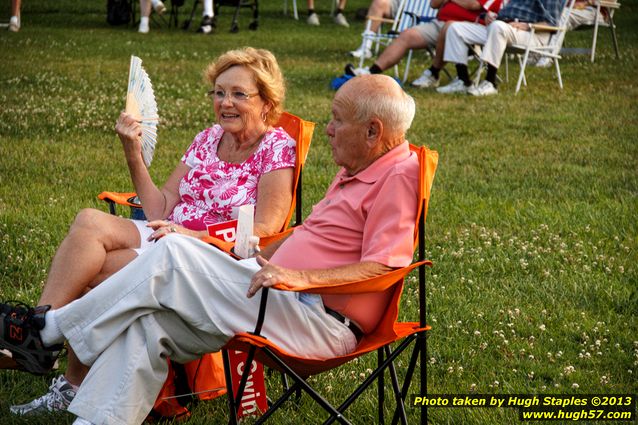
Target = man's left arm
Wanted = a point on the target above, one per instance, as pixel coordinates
(271, 274)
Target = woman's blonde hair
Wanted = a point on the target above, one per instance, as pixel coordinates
(268, 77)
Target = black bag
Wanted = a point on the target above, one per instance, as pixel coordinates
(118, 12)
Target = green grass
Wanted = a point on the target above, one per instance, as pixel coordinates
(532, 222)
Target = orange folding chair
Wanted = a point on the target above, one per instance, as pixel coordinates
(387, 332)
(205, 376)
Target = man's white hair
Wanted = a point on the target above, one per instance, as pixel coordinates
(394, 112)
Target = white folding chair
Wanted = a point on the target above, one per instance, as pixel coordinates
(609, 6)
(550, 50)
(409, 14)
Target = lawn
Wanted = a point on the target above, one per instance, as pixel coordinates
(532, 224)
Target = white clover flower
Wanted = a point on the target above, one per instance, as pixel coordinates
(575, 385)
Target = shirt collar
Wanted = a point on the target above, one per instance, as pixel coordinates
(375, 170)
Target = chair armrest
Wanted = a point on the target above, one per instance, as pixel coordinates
(379, 19)
(545, 28)
(121, 198)
(373, 284)
(608, 4)
(223, 245)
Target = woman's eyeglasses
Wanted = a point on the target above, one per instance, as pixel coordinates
(235, 96)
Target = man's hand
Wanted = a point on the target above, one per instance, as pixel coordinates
(271, 274)
(522, 26)
(490, 17)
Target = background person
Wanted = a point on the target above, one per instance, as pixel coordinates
(510, 26)
(240, 160)
(429, 34)
(207, 25)
(184, 297)
(145, 13)
(339, 18)
(14, 21)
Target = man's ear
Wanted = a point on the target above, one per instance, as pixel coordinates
(374, 131)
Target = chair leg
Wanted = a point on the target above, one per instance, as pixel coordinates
(380, 388)
(187, 23)
(400, 406)
(612, 27)
(595, 35)
(560, 79)
(232, 408)
(521, 76)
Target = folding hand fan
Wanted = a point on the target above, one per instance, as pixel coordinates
(140, 102)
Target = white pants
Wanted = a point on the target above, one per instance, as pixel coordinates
(584, 16)
(179, 299)
(494, 38)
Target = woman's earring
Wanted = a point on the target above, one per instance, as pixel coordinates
(263, 116)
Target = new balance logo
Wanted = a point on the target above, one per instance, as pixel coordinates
(15, 333)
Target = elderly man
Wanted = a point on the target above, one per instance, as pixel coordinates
(510, 26)
(183, 298)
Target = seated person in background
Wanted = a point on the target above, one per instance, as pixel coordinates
(509, 26)
(378, 9)
(584, 13)
(207, 25)
(240, 160)
(184, 297)
(428, 34)
(14, 21)
(145, 13)
(339, 18)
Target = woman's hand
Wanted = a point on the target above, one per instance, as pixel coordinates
(163, 228)
(129, 131)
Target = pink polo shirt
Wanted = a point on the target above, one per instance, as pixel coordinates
(366, 217)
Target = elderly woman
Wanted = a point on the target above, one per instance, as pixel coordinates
(241, 160)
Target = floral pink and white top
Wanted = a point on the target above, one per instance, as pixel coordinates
(213, 190)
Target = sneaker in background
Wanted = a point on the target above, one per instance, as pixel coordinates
(366, 53)
(351, 70)
(484, 89)
(144, 28)
(207, 25)
(14, 24)
(544, 62)
(341, 20)
(426, 80)
(57, 399)
(159, 7)
(313, 19)
(456, 86)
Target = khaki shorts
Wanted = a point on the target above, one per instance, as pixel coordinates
(430, 31)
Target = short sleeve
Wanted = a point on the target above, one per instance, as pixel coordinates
(279, 151)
